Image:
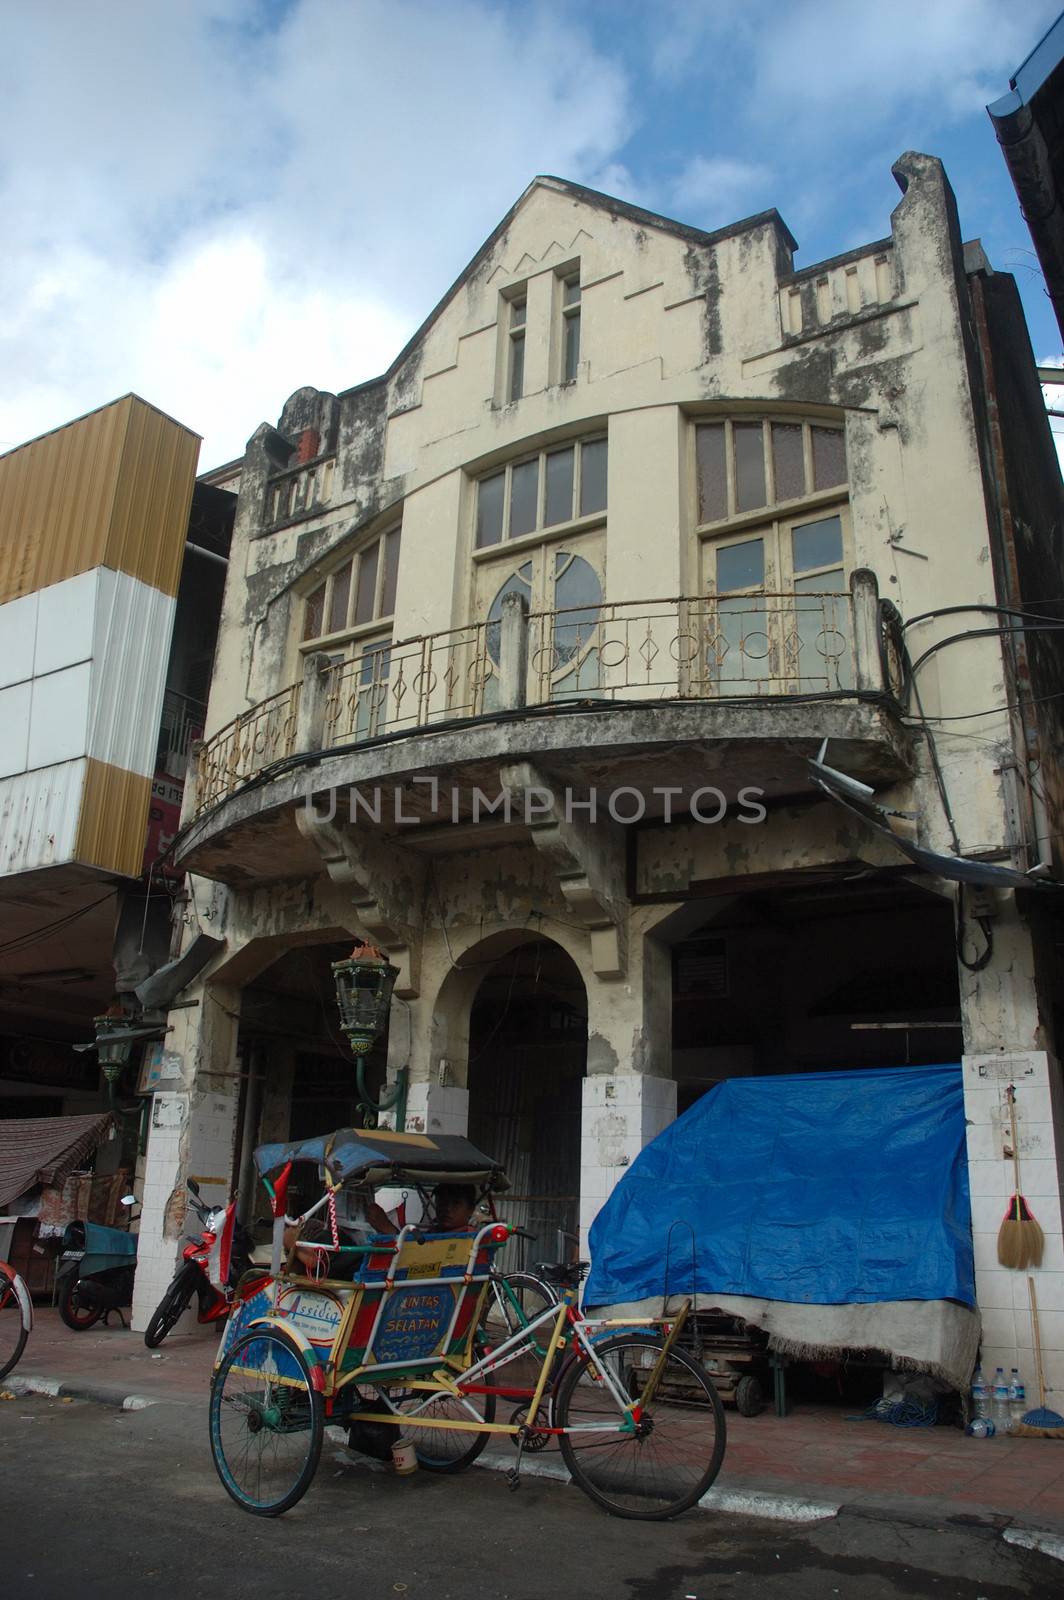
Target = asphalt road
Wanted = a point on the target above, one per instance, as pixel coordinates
(102, 1503)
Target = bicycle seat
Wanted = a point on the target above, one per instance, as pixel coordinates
(566, 1274)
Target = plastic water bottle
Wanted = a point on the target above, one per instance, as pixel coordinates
(999, 1405)
(1017, 1399)
(980, 1395)
(980, 1428)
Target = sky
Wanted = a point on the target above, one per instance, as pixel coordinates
(215, 202)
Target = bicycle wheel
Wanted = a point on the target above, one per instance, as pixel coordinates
(671, 1456)
(169, 1311)
(440, 1449)
(16, 1319)
(513, 1301)
(266, 1422)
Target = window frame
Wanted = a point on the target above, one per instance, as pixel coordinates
(542, 532)
(517, 327)
(352, 631)
(570, 315)
(773, 509)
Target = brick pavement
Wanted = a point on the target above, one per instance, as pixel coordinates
(817, 1453)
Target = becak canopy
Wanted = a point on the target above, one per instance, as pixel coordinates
(829, 1188)
(377, 1155)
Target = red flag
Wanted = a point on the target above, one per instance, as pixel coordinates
(280, 1190)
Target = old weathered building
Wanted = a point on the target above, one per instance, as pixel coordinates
(526, 648)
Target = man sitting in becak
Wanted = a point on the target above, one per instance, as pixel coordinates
(454, 1204)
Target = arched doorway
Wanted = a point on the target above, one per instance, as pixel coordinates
(527, 1058)
(297, 1072)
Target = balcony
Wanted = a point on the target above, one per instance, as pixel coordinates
(763, 677)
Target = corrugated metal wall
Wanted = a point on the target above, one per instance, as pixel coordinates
(112, 489)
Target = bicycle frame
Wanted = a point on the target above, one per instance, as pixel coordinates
(521, 1343)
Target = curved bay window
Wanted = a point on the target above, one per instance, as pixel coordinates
(554, 504)
(774, 534)
(347, 617)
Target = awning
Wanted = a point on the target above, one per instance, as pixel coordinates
(45, 1150)
(376, 1155)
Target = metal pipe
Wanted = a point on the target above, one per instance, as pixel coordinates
(249, 1132)
(208, 555)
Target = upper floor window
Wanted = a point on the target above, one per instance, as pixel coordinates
(550, 489)
(775, 556)
(518, 315)
(570, 308)
(746, 465)
(358, 593)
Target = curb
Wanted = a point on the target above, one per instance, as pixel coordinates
(60, 1389)
(738, 1502)
(761, 1503)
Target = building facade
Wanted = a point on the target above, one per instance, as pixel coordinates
(112, 565)
(525, 652)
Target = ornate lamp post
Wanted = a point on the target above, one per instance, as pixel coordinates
(115, 1037)
(364, 984)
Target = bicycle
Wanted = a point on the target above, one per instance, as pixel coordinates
(16, 1317)
(395, 1353)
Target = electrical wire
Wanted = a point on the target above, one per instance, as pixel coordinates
(974, 633)
(1002, 611)
(991, 711)
(25, 941)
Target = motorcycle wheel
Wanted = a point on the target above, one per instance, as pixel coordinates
(76, 1316)
(167, 1313)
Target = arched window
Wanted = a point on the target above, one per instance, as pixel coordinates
(564, 594)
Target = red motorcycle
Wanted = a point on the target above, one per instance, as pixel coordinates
(211, 1267)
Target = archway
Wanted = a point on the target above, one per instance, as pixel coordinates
(297, 1072)
(527, 1058)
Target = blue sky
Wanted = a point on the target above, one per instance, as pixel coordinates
(215, 202)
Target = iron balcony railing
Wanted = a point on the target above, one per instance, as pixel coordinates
(702, 647)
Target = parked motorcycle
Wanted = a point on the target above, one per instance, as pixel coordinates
(95, 1273)
(211, 1267)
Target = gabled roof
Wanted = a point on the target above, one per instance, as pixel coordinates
(601, 202)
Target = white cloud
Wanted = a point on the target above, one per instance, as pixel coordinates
(830, 58)
(213, 208)
(711, 191)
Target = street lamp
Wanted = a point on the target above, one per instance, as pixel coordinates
(364, 984)
(114, 1046)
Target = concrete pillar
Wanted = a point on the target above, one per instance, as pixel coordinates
(191, 1134)
(1002, 1294)
(313, 697)
(867, 662)
(513, 653)
(622, 1112)
(434, 1108)
(1004, 1042)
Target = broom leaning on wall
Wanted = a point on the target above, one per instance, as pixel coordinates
(1020, 1238)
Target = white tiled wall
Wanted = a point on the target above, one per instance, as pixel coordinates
(157, 1255)
(1002, 1294)
(622, 1113)
(187, 1139)
(430, 1109)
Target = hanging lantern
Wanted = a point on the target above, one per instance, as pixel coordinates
(114, 1044)
(364, 985)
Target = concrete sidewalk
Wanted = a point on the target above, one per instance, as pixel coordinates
(817, 1459)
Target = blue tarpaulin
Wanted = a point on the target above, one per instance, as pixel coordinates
(832, 1188)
